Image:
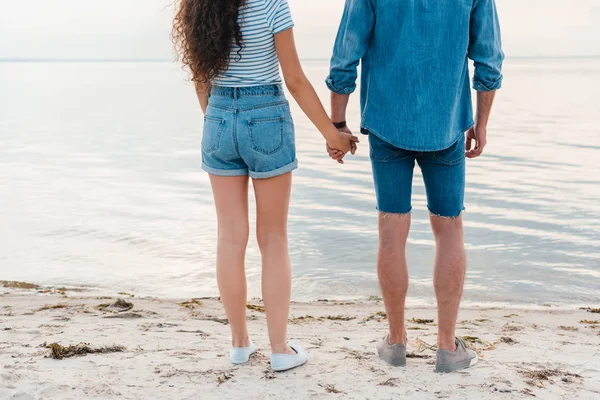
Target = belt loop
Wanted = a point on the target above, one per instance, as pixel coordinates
(235, 93)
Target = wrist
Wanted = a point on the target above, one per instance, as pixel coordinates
(332, 135)
(481, 122)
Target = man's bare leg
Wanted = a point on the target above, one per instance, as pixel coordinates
(392, 270)
(449, 276)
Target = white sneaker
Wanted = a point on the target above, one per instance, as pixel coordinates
(240, 355)
(284, 362)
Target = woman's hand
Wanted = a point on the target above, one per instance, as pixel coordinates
(338, 155)
(341, 144)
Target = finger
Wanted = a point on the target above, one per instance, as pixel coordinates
(476, 152)
(354, 139)
(353, 149)
(468, 144)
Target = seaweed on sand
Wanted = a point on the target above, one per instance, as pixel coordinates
(421, 321)
(58, 352)
(125, 315)
(52, 307)
(302, 318)
(590, 309)
(119, 306)
(590, 322)
(507, 340)
(339, 318)
(378, 316)
(224, 377)
(472, 339)
(218, 320)
(415, 355)
(568, 328)
(538, 377)
(330, 388)
(192, 304)
(256, 308)
(18, 285)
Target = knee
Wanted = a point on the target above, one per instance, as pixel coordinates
(234, 234)
(393, 230)
(267, 238)
(447, 228)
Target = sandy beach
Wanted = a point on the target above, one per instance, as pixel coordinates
(139, 348)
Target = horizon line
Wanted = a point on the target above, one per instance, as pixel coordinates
(165, 60)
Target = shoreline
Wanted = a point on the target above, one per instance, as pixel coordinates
(411, 301)
(178, 349)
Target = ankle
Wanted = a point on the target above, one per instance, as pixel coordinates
(447, 344)
(397, 337)
(282, 349)
(243, 341)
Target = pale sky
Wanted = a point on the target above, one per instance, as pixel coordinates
(139, 29)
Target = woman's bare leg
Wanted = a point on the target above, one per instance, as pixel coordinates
(231, 200)
(272, 203)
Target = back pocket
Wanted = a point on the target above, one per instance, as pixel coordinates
(213, 128)
(266, 134)
(453, 154)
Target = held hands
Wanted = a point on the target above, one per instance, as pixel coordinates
(479, 135)
(343, 143)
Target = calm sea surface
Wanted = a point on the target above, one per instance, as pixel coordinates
(100, 185)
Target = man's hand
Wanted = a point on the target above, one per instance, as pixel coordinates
(338, 155)
(479, 135)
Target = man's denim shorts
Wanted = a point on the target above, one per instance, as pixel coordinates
(248, 131)
(443, 174)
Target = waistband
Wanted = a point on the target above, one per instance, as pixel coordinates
(265, 90)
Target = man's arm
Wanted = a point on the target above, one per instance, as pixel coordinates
(485, 49)
(351, 44)
(339, 104)
(478, 133)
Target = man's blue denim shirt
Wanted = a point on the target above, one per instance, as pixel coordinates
(415, 90)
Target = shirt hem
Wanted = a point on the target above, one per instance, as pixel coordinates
(241, 84)
(410, 148)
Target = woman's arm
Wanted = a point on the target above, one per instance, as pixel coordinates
(202, 93)
(305, 95)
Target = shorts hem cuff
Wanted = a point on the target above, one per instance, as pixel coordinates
(276, 172)
(452, 216)
(224, 172)
(383, 212)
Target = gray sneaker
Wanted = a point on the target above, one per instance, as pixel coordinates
(393, 354)
(461, 358)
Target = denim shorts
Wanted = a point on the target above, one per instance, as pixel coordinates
(248, 131)
(443, 174)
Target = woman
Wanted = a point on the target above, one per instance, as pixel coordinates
(234, 49)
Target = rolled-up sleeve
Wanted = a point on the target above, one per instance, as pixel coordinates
(351, 44)
(485, 47)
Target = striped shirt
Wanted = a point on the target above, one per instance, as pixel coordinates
(258, 65)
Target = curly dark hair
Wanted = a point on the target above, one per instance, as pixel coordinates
(204, 32)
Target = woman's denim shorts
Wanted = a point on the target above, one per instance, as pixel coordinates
(248, 131)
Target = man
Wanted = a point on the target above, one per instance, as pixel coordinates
(416, 106)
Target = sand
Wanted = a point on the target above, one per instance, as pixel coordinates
(149, 348)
